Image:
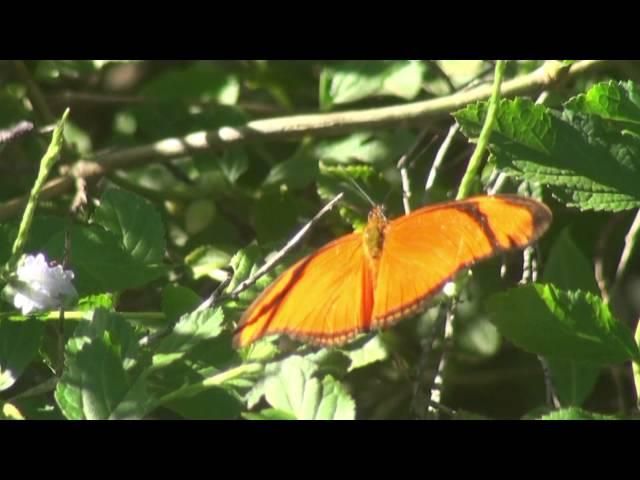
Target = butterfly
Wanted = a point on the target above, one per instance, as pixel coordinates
(390, 270)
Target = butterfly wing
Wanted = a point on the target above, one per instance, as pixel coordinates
(425, 249)
(325, 298)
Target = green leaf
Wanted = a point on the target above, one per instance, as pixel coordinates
(570, 325)
(615, 101)
(93, 302)
(243, 263)
(276, 228)
(78, 138)
(573, 381)
(135, 222)
(213, 404)
(297, 172)
(374, 350)
(99, 262)
(462, 71)
(568, 268)
(94, 380)
(294, 389)
(576, 414)
(478, 337)
(19, 344)
(269, 414)
(356, 80)
(404, 79)
(207, 260)
(200, 81)
(379, 149)
(191, 329)
(233, 163)
(10, 412)
(199, 216)
(588, 162)
(184, 100)
(178, 300)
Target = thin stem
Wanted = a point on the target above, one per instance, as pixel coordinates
(82, 315)
(483, 139)
(46, 164)
(447, 340)
(290, 244)
(498, 184)
(299, 126)
(214, 381)
(630, 240)
(35, 94)
(16, 131)
(406, 189)
(636, 367)
(404, 175)
(437, 162)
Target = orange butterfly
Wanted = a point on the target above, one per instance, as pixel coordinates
(372, 279)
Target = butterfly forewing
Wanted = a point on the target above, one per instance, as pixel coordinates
(425, 249)
(325, 298)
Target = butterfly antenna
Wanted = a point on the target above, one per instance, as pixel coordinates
(362, 192)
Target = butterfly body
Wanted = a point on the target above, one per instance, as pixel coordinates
(372, 279)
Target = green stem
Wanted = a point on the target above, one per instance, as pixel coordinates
(46, 164)
(214, 381)
(483, 139)
(82, 315)
(636, 367)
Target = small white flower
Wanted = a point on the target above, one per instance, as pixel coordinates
(41, 287)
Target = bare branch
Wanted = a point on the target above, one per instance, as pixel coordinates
(297, 126)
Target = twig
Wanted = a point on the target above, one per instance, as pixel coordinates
(600, 253)
(527, 266)
(499, 182)
(60, 325)
(15, 132)
(530, 274)
(447, 341)
(435, 407)
(211, 300)
(437, 162)
(81, 315)
(402, 166)
(636, 367)
(550, 392)
(242, 286)
(406, 185)
(630, 241)
(298, 126)
(420, 403)
(47, 386)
